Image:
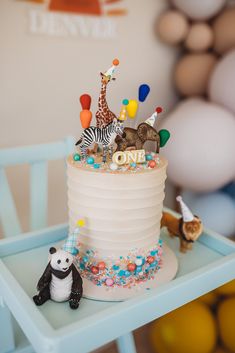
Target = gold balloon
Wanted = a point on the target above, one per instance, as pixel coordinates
(192, 73)
(224, 31)
(172, 27)
(132, 108)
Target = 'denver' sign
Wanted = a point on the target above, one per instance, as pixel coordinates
(63, 18)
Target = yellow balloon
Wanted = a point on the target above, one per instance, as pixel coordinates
(209, 298)
(191, 328)
(226, 320)
(131, 108)
(227, 289)
(220, 350)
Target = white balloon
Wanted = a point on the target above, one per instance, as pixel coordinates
(222, 82)
(199, 9)
(202, 144)
(217, 211)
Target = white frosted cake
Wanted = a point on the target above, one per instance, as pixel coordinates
(119, 193)
(119, 248)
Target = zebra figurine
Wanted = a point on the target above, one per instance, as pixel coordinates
(102, 136)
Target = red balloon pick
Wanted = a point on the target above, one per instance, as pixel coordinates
(85, 101)
(159, 109)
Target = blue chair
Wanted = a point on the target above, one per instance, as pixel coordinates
(37, 157)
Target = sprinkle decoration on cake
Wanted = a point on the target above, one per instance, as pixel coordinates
(117, 187)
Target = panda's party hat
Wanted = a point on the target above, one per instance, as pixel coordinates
(186, 213)
(151, 120)
(70, 244)
(110, 71)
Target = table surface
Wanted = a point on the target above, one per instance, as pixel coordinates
(56, 328)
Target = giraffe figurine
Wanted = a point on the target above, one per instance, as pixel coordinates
(104, 115)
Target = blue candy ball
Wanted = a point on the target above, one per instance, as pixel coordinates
(82, 266)
(90, 160)
(148, 157)
(153, 264)
(96, 165)
(76, 157)
(138, 269)
(127, 273)
(85, 258)
(121, 273)
(74, 251)
(133, 165)
(115, 267)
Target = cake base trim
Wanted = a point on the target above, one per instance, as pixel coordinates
(165, 274)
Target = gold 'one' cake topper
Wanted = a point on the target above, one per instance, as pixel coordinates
(126, 157)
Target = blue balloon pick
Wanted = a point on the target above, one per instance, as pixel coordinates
(144, 90)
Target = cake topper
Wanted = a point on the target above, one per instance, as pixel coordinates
(132, 108)
(145, 132)
(144, 90)
(60, 281)
(188, 227)
(103, 137)
(85, 114)
(122, 115)
(104, 115)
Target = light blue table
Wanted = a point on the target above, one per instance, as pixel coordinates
(55, 328)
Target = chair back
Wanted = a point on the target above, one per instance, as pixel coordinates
(37, 156)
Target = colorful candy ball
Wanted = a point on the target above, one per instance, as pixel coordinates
(131, 267)
(150, 259)
(148, 157)
(113, 166)
(138, 262)
(94, 270)
(76, 157)
(90, 160)
(101, 265)
(109, 282)
(133, 165)
(152, 164)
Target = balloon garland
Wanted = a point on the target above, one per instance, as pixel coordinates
(202, 126)
(204, 77)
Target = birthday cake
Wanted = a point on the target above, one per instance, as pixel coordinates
(118, 190)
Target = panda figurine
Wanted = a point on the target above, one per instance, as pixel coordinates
(60, 281)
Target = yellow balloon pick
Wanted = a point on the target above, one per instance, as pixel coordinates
(132, 108)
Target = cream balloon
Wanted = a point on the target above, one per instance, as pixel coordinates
(216, 210)
(192, 73)
(172, 27)
(200, 151)
(200, 37)
(199, 10)
(222, 82)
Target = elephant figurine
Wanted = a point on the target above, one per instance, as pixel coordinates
(137, 137)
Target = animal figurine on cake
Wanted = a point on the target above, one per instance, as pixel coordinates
(187, 228)
(145, 131)
(104, 115)
(101, 136)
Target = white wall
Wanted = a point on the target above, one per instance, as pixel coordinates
(43, 76)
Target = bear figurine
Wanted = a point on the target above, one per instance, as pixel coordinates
(60, 281)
